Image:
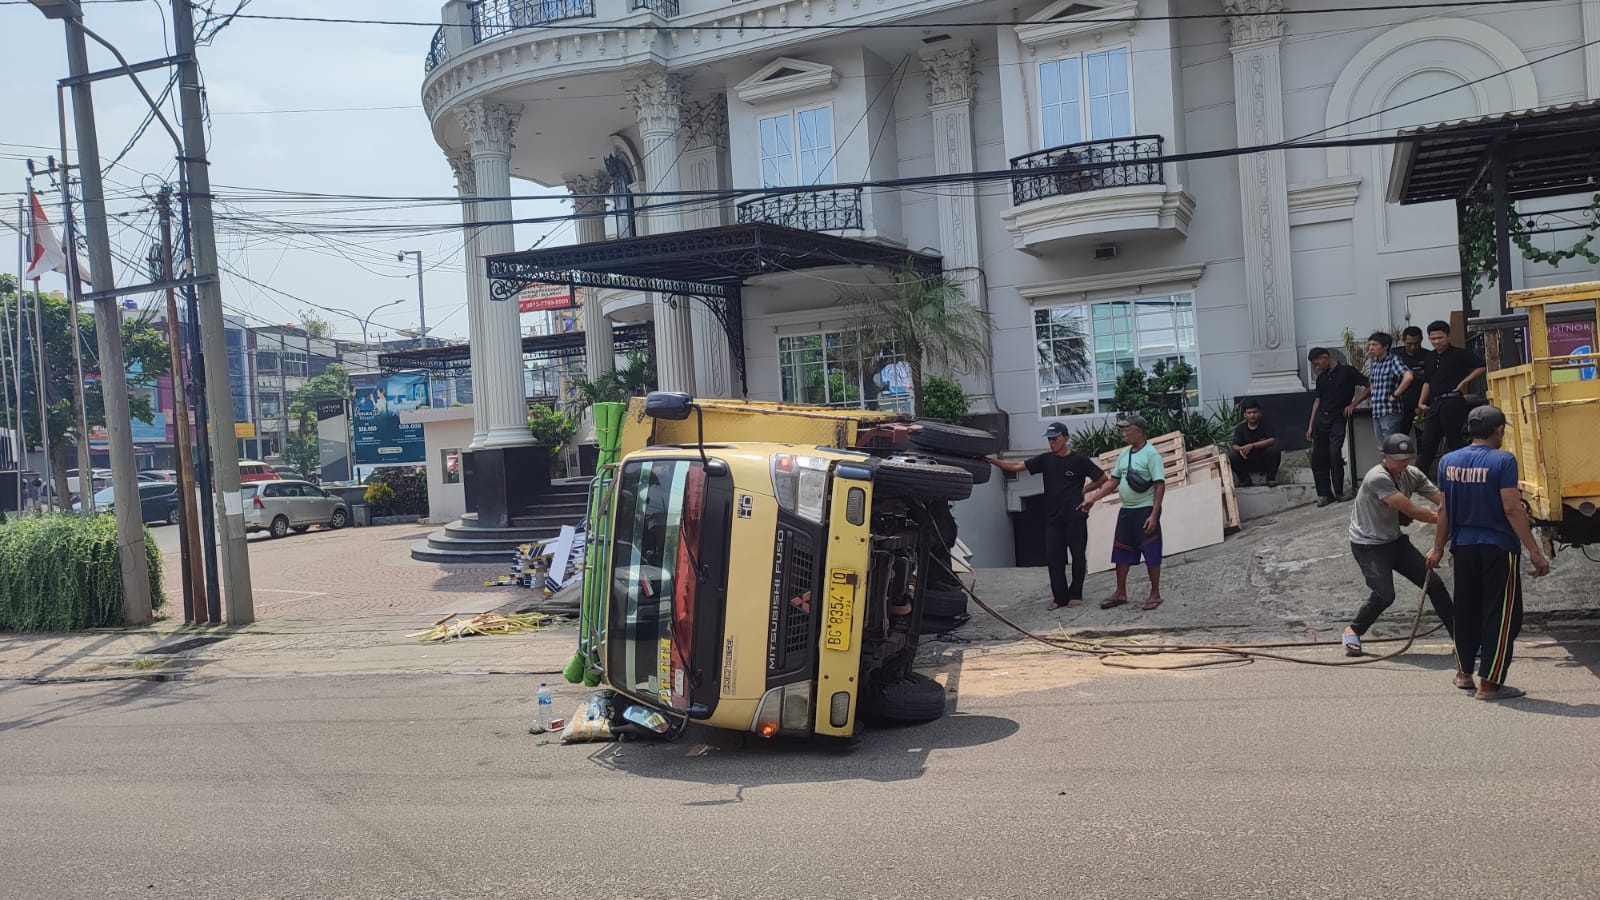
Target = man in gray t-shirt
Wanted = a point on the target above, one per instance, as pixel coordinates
(1379, 544)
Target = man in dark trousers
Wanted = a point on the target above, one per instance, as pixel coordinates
(1338, 391)
(1483, 520)
(1414, 357)
(1255, 447)
(1066, 530)
(1449, 374)
(1382, 509)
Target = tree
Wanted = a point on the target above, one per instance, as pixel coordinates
(926, 318)
(146, 356)
(314, 325)
(635, 379)
(300, 450)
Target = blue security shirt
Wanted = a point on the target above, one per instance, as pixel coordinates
(1471, 480)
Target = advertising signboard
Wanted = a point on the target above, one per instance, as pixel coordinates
(380, 438)
(546, 297)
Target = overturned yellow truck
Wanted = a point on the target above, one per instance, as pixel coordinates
(1542, 375)
(766, 568)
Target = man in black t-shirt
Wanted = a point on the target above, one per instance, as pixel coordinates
(1066, 531)
(1414, 356)
(1450, 373)
(1254, 448)
(1339, 390)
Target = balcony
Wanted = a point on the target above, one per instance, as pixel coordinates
(666, 9)
(1093, 191)
(438, 52)
(492, 18)
(821, 211)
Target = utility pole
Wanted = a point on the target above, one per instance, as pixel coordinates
(134, 563)
(283, 392)
(20, 435)
(194, 597)
(75, 296)
(422, 307)
(225, 451)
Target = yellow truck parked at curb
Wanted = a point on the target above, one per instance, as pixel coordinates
(766, 566)
(1552, 408)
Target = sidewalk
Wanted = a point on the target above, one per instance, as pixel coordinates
(342, 603)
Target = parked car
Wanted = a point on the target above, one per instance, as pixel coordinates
(255, 470)
(158, 475)
(158, 501)
(279, 506)
(98, 478)
(289, 472)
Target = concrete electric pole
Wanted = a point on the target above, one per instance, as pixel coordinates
(237, 595)
(134, 564)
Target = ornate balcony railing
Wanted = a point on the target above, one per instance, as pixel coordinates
(1123, 162)
(821, 211)
(492, 18)
(666, 9)
(437, 51)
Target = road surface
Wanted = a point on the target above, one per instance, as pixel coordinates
(1051, 776)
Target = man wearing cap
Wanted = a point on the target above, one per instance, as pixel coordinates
(1066, 530)
(1139, 478)
(1483, 520)
(1383, 507)
(1338, 391)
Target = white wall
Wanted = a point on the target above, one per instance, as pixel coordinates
(443, 429)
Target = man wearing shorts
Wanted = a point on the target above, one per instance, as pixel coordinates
(1139, 478)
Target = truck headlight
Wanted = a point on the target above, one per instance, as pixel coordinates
(786, 709)
(801, 485)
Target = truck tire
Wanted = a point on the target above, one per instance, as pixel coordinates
(979, 469)
(915, 698)
(920, 478)
(953, 440)
(944, 603)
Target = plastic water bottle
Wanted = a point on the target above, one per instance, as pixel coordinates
(546, 706)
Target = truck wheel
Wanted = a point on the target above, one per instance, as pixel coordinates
(953, 440)
(920, 478)
(915, 698)
(979, 469)
(944, 603)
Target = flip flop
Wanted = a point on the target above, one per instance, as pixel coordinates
(1464, 681)
(1054, 605)
(1151, 604)
(1503, 692)
(1352, 645)
(1113, 602)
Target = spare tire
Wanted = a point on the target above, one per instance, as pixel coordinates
(921, 478)
(979, 469)
(915, 698)
(953, 440)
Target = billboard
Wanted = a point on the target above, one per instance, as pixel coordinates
(379, 437)
(546, 297)
(333, 440)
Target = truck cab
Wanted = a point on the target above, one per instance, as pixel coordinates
(773, 586)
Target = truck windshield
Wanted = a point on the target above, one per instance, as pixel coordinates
(654, 558)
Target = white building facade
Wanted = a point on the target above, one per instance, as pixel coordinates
(1236, 263)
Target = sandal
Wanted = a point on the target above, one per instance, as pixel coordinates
(1113, 602)
(1500, 692)
(1055, 605)
(1464, 682)
(1150, 604)
(1352, 644)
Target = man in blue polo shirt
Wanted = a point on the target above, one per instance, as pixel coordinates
(1482, 517)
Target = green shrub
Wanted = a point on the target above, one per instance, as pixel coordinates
(408, 490)
(380, 497)
(944, 400)
(551, 428)
(60, 573)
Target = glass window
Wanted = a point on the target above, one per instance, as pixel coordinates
(1085, 98)
(655, 537)
(834, 369)
(1083, 349)
(809, 130)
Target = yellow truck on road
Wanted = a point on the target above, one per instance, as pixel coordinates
(1550, 394)
(766, 568)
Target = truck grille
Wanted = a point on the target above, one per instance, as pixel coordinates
(792, 625)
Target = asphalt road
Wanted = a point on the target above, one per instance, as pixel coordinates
(1052, 776)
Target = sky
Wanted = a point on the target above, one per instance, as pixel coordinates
(299, 107)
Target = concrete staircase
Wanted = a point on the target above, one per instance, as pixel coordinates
(1295, 488)
(466, 542)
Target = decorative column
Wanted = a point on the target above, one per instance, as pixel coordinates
(599, 353)
(705, 168)
(497, 343)
(951, 86)
(658, 100)
(1257, 37)
(467, 190)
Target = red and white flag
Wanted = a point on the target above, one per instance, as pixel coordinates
(44, 250)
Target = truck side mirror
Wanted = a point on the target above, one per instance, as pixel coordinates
(670, 405)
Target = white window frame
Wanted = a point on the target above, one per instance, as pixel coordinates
(894, 402)
(795, 165)
(1098, 392)
(1081, 60)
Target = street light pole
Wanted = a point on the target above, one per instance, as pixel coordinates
(422, 307)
